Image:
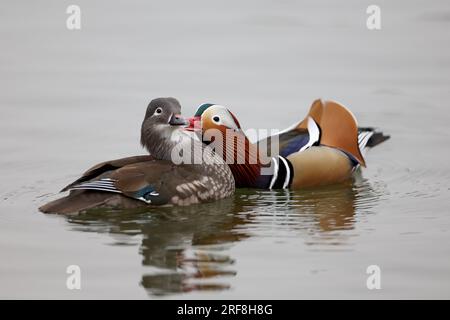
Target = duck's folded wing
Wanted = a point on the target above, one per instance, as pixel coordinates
(155, 182)
(291, 140)
(161, 182)
(107, 166)
(331, 124)
(338, 127)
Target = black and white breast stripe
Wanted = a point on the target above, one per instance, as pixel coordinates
(282, 174)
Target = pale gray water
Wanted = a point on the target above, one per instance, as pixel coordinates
(70, 99)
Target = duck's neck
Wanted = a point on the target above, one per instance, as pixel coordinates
(161, 142)
(246, 165)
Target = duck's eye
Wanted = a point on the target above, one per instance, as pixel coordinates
(216, 119)
(158, 111)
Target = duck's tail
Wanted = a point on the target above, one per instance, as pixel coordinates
(82, 200)
(75, 202)
(369, 137)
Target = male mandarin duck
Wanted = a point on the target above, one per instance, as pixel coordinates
(150, 179)
(324, 148)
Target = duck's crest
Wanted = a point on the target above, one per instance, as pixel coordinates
(202, 109)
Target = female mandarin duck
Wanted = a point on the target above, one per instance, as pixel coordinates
(150, 179)
(325, 148)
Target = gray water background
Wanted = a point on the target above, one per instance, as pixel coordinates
(70, 99)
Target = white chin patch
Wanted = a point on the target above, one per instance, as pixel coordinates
(178, 135)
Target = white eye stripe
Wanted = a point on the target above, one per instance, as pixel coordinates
(223, 115)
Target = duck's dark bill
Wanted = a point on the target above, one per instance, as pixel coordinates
(177, 120)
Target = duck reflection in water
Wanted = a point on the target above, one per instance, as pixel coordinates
(187, 248)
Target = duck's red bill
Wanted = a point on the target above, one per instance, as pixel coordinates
(194, 124)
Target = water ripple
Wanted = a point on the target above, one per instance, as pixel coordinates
(187, 248)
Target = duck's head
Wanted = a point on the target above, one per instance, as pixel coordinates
(213, 122)
(213, 116)
(242, 158)
(162, 120)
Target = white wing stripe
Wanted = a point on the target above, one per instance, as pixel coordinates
(95, 188)
(105, 184)
(314, 134)
(362, 135)
(362, 144)
(99, 183)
